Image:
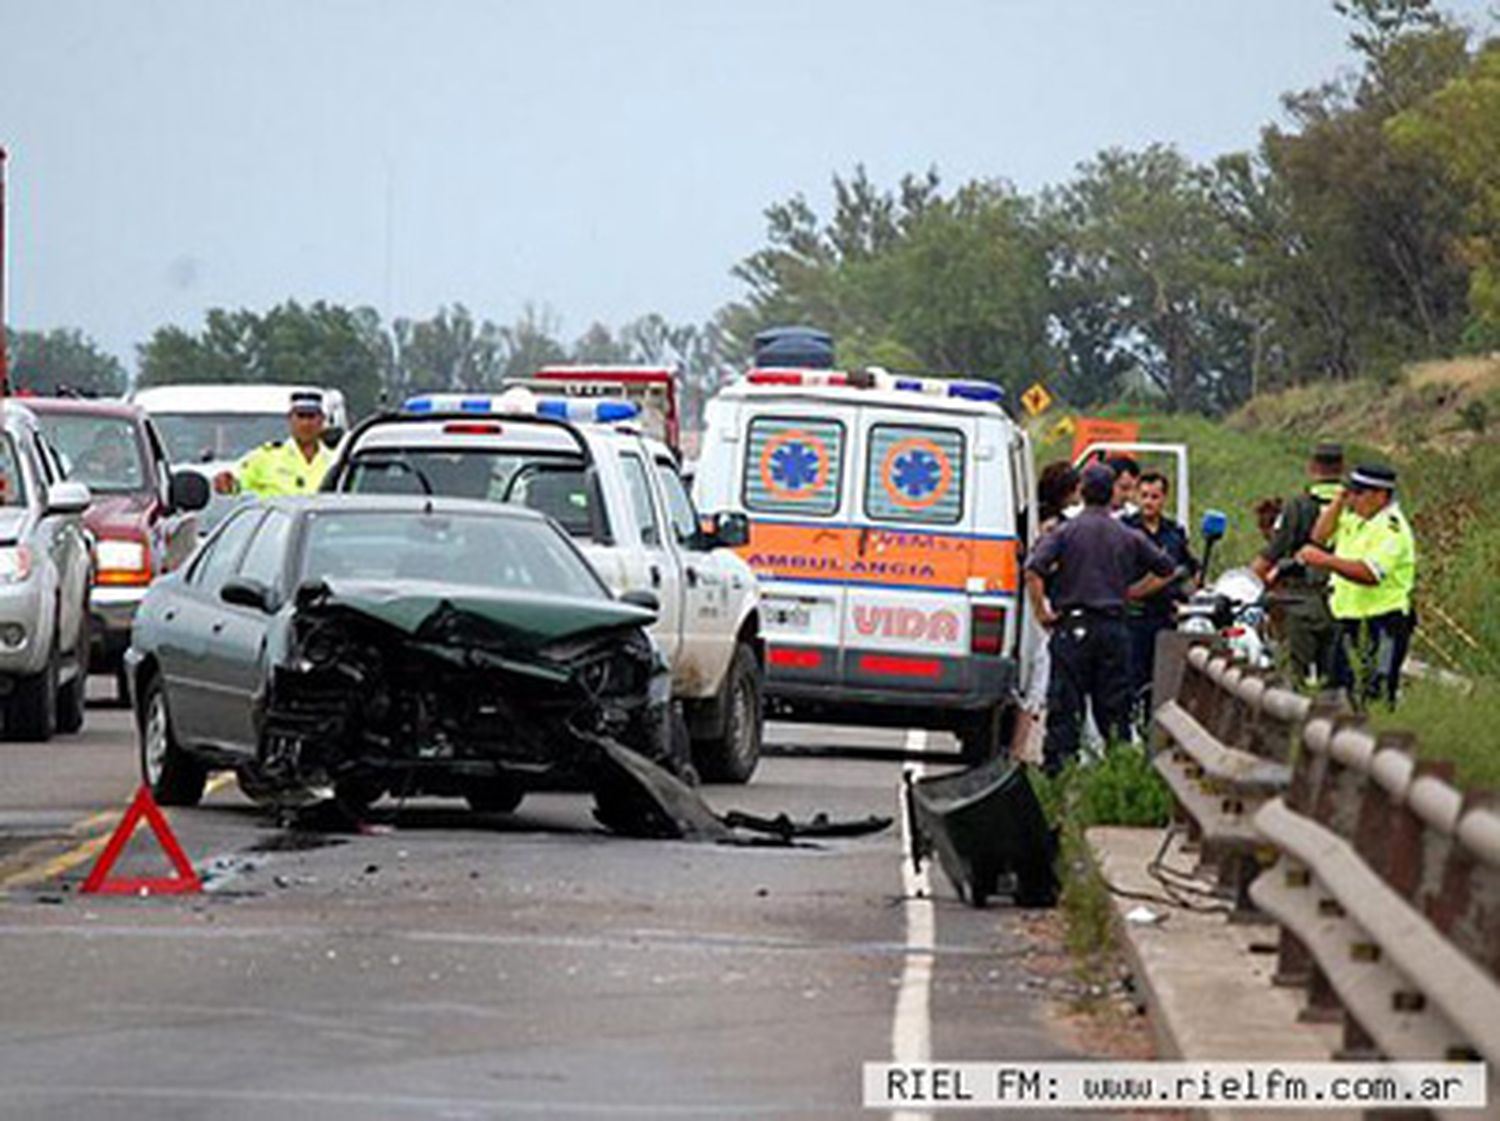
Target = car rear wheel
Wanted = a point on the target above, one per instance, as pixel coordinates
(494, 795)
(31, 713)
(72, 696)
(174, 776)
(733, 756)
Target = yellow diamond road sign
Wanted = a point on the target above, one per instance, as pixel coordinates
(1036, 399)
(1064, 427)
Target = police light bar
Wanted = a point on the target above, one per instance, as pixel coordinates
(879, 379)
(581, 410)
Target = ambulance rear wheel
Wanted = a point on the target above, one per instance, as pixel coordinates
(986, 735)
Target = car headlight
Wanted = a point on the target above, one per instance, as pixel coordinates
(122, 561)
(15, 563)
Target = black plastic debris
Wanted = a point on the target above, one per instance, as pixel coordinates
(819, 825)
(983, 824)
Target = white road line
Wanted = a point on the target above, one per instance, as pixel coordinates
(911, 1027)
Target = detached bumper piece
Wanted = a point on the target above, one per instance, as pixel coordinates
(983, 824)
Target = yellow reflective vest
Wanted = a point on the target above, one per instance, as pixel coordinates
(1386, 546)
(276, 469)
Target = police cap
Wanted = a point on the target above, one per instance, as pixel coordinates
(1370, 476)
(1328, 454)
(307, 401)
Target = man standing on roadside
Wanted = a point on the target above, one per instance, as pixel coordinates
(1127, 478)
(1093, 564)
(1148, 616)
(1303, 589)
(1374, 568)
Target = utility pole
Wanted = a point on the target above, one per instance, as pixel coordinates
(4, 364)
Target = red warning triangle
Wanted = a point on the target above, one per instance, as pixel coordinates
(186, 879)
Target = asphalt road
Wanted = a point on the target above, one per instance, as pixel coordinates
(458, 966)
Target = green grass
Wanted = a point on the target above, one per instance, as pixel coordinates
(1451, 725)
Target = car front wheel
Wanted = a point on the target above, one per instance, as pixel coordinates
(732, 757)
(174, 776)
(31, 713)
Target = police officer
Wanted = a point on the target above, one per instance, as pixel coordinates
(1374, 567)
(1148, 616)
(1302, 590)
(1092, 563)
(296, 465)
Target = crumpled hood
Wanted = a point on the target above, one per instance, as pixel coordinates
(111, 515)
(526, 618)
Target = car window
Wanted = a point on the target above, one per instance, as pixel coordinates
(220, 555)
(50, 473)
(794, 466)
(12, 482)
(159, 457)
(202, 437)
(495, 551)
(103, 451)
(915, 473)
(265, 559)
(680, 510)
(640, 498)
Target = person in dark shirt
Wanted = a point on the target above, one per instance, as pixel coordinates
(1079, 579)
(1149, 616)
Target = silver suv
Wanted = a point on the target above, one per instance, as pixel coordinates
(44, 584)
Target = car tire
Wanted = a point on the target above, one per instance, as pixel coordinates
(72, 697)
(31, 713)
(733, 756)
(174, 776)
(986, 735)
(494, 795)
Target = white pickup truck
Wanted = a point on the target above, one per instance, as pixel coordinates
(619, 495)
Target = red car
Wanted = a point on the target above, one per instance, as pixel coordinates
(142, 518)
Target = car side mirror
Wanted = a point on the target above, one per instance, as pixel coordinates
(68, 498)
(640, 597)
(244, 592)
(724, 530)
(187, 490)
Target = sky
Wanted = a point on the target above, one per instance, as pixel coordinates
(599, 159)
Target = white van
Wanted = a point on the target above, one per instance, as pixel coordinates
(888, 516)
(209, 427)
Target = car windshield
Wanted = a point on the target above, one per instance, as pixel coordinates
(554, 484)
(104, 452)
(503, 553)
(12, 485)
(204, 437)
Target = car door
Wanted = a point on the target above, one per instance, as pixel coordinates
(707, 636)
(237, 637)
(184, 623)
(67, 544)
(662, 571)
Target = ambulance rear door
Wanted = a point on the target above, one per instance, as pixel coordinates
(793, 483)
(905, 627)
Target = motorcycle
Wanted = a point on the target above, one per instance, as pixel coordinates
(1233, 606)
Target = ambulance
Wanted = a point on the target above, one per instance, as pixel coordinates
(888, 517)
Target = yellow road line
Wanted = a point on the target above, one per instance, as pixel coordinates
(87, 849)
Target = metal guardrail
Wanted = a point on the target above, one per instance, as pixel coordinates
(1384, 878)
(1225, 747)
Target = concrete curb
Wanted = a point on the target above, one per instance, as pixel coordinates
(1206, 982)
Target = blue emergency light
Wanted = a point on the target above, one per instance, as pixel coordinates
(580, 410)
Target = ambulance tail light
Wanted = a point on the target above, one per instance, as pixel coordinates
(986, 630)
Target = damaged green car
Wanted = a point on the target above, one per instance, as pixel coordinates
(346, 647)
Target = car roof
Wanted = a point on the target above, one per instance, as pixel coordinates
(85, 406)
(17, 415)
(399, 503)
(427, 430)
(240, 398)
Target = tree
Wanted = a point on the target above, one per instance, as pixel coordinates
(1458, 126)
(447, 352)
(1149, 280)
(63, 359)
(322, 344)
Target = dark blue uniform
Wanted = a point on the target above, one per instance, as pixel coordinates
(1147, 618)
(1089, 563)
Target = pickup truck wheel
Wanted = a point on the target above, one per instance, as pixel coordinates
(494, 795)
(732, 758)
(31, 713)
(174, 776)
(986, 735)
(71, 697)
